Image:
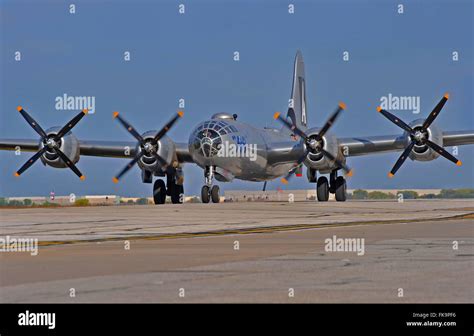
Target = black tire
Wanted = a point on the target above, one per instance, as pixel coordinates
(341, 195)
(322, 189)
(215, 194)
(159, 192)
(205, 196)
(177, 194)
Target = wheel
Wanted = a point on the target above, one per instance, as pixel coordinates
(159, 192)
(177, 194)
(322, 189)
(340, 189)
(205, 197)
(215, 194)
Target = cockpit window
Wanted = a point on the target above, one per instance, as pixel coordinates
(207, 137)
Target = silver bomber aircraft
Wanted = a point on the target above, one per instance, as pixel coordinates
(226, 148)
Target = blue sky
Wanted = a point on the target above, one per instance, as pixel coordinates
(191, 56)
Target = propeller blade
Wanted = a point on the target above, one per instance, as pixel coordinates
(69, 163)
(163, 163)
(330, 121)
(443, 152)
(395, 120)
(293, 170)
(290, 126)
(71, 124)
(435, 112)
(129, 127)
(167, 127)
(402, 158)
(341, 164)
(30, 161)
(32, 123)
(128, 166)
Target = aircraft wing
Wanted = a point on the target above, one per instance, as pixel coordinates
(356, 146)
(101, 148)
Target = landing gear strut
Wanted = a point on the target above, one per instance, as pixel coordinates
(336, 185)
(208, 191)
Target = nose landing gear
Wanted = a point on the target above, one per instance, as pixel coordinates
(208, 191)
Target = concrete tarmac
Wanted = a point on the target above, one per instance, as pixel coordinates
(416, 251)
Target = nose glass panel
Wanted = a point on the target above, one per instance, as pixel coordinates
(206, 142)
(208, 136)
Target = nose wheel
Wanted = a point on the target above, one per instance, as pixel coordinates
(208, 191)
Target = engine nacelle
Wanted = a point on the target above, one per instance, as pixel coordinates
(68, 144)
(421, 152)
(166, 149)
(315, 159)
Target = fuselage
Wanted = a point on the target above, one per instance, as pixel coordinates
(239, 150)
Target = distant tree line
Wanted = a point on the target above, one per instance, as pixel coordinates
(411, 194)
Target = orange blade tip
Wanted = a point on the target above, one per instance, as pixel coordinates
(276, 115)
(459, 163)
(379, 109)
(115, 180)
(390, 175)
(115, 114)
(181, 114)
(349, 173)
(19, 108)
(446, 95)
(16, 174)
(83, 177)
(85, 111)
(284, 181)
(342, 105)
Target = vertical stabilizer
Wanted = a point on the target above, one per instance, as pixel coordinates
(297, 104)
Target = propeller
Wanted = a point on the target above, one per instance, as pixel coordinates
(419, 135)
(51, 142)
(148, 146)
(315, 143)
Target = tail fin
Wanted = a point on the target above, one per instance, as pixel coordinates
(297, 103)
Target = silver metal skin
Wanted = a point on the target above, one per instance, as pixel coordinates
(277, 150)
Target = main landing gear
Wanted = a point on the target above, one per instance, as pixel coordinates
(173, 188)
(336, 185)
(208, 191)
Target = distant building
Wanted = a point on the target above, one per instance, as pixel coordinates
(301, 194)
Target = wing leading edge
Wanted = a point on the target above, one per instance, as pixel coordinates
(99, 148)
(357, 146)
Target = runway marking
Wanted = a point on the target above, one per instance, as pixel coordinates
(254, 230)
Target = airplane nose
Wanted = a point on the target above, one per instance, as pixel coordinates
(206, 142)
